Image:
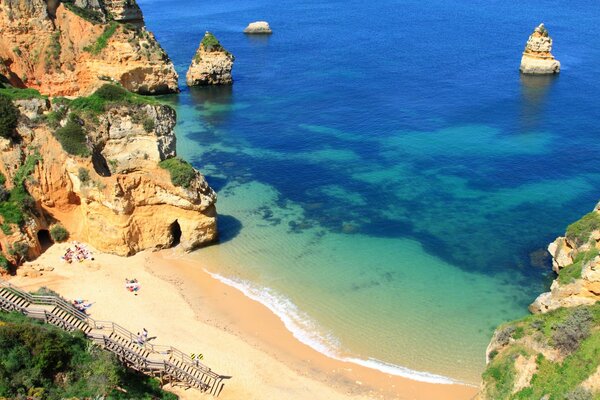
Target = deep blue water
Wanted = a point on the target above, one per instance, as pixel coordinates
(392, 121)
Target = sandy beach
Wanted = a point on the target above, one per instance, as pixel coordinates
(182, 305)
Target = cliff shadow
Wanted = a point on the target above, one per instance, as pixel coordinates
(213, 102)
(534, 94)
(216, 182)
(258, 40)
(228, 228)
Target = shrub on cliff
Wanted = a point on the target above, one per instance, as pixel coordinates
(110, 92)
(182, 172)
(579, 393)
(9, 116)
(58, 233)
(568, 334)
(4, 263)
(73, 139)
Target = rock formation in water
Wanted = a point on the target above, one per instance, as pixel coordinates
(104, 167)
(531, 357)
(72, 48)
(211, 65)
(258, 27)
(537, 57)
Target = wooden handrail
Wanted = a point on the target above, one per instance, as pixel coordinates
(195, 375)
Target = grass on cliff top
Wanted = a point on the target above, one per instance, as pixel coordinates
(107, 95)
(182, 172)
(102, 40)
(210, 42)
(580, 231)
(43, 362)
(554, 379)
(21, 94)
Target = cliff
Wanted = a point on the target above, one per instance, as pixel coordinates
(537, 57)
(211, 64)
(576, 262)
(71, 48)
(554, 353)
(103, 167)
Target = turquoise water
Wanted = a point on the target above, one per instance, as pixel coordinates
(387, 180)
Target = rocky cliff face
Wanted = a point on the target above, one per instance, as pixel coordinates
(211, 65)
(118, 198)
(575, 259)
(553, 354)
(537, 57)
(72, 48)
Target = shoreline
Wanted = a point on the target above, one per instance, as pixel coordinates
(255, 323)
(237, 335)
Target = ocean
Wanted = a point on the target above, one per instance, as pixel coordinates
(387, 179)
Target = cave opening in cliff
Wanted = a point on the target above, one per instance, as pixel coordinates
(175, 233)
(44, 238)
(99, 163)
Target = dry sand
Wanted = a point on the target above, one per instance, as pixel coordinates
(185, 307)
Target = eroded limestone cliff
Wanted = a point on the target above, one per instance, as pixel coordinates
(537, 57)
(71, 48)
(554, 353)
(111, 191)
(575, 259)
(211, 65)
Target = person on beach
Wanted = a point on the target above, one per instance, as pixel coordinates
(145, 334)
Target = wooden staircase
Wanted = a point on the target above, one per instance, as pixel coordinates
(167, 363)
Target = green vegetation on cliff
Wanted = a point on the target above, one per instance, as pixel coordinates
(182, 172)
(21, 94)
(19, 202)
(40, 361)
(102, 40)
(73, 139)
(210, 42)
(92, 16)
(108, 95)
(572, 333)
(9, 116)
(572, 272)
(580, 231)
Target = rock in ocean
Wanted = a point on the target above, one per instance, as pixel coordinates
(537, 57)
(258, 27)
(211, 65)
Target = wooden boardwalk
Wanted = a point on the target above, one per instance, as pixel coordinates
(167, 363)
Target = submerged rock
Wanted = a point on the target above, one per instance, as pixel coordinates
(211, 65)
(537, 57)
(258, 27)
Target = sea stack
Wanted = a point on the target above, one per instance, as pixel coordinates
(537, 57)
(211, 65)
(258, 28)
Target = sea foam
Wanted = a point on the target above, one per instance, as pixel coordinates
(310, 333)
